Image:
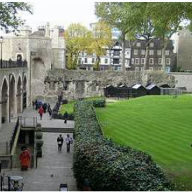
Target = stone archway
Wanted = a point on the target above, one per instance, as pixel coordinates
(12, 95)
(4, 107)
(24, 92)
(19, 93)
(38, 69)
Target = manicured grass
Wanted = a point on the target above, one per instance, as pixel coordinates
(69, 106)
(158, 125)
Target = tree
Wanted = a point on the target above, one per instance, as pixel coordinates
(77, 40)
(101, 39)
(167, 19)
(10, 20)
(119, 15)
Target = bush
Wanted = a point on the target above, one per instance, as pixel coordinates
(106, 165)
(39, 143)
(39, 135)
(99, 103)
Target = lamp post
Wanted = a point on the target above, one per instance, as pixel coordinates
(1, 42)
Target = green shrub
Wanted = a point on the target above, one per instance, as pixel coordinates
(99, 103)
(39, 135)
(39, 143)
(106, 165)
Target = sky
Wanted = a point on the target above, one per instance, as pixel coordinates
(61, 13)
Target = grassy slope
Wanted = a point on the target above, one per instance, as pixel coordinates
(159, 125)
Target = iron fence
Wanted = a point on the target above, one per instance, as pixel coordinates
(13, 64)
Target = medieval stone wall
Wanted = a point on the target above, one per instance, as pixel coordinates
(80, 84)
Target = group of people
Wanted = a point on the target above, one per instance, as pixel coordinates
(68, 141)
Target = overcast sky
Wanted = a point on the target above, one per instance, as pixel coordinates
(60, 13)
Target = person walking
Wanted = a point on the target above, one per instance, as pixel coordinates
(68, 141)
(66, 115)
(60, 142)
(41, 111)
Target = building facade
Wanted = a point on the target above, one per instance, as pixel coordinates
(184, 51)
(134, 57)
(138, 50)
(20, 83)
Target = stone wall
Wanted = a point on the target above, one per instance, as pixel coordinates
(78, 84)
(183, 80)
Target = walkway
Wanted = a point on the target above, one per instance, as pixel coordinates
(53, 168)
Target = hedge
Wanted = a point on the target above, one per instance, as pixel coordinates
(106, 165)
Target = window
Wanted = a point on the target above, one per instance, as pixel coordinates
(151, 68)
(151, 44)
(135, 52)
(136, 68)
(151, 61)
(159, 61)
(116, 53)
(138, 44)
(106, 61)
(115, 61)
(168, 61)
(160, 68)
(158, 52)
(137, 61)
(167, 69)
(79, 60)
(142, 60)
(142, 52)
(151, 52)
(132, 60)
(142, 68)
(85, 60)
(93, 60)
(166, 52)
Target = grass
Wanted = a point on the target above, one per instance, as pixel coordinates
(69, 106)
(158, 125)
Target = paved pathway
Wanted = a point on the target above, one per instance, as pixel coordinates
(52, 163)
(53, 168)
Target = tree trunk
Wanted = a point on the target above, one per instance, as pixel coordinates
(146, 56)
(123, 52)
(163, 58)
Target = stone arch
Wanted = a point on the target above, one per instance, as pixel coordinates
(24, 92)
(4, 97)
(19, 94)
(12, 96)
(38, 69)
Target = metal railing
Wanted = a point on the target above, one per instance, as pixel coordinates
(14, 134)
(13, 64)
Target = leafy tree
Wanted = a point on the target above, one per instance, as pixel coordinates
(167, 18)
(101, 39)
(10, 20)
(77, 40)
(119, 15)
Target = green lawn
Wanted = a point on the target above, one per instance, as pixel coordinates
(70, 106)
(158, 125)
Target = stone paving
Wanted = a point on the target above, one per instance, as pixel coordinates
(53, 168)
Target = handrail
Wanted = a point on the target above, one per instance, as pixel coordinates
(14, 134)
(13, 64)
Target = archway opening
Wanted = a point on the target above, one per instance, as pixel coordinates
(4, 108)
(24, 92)
(19, 93)
(11, 96)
